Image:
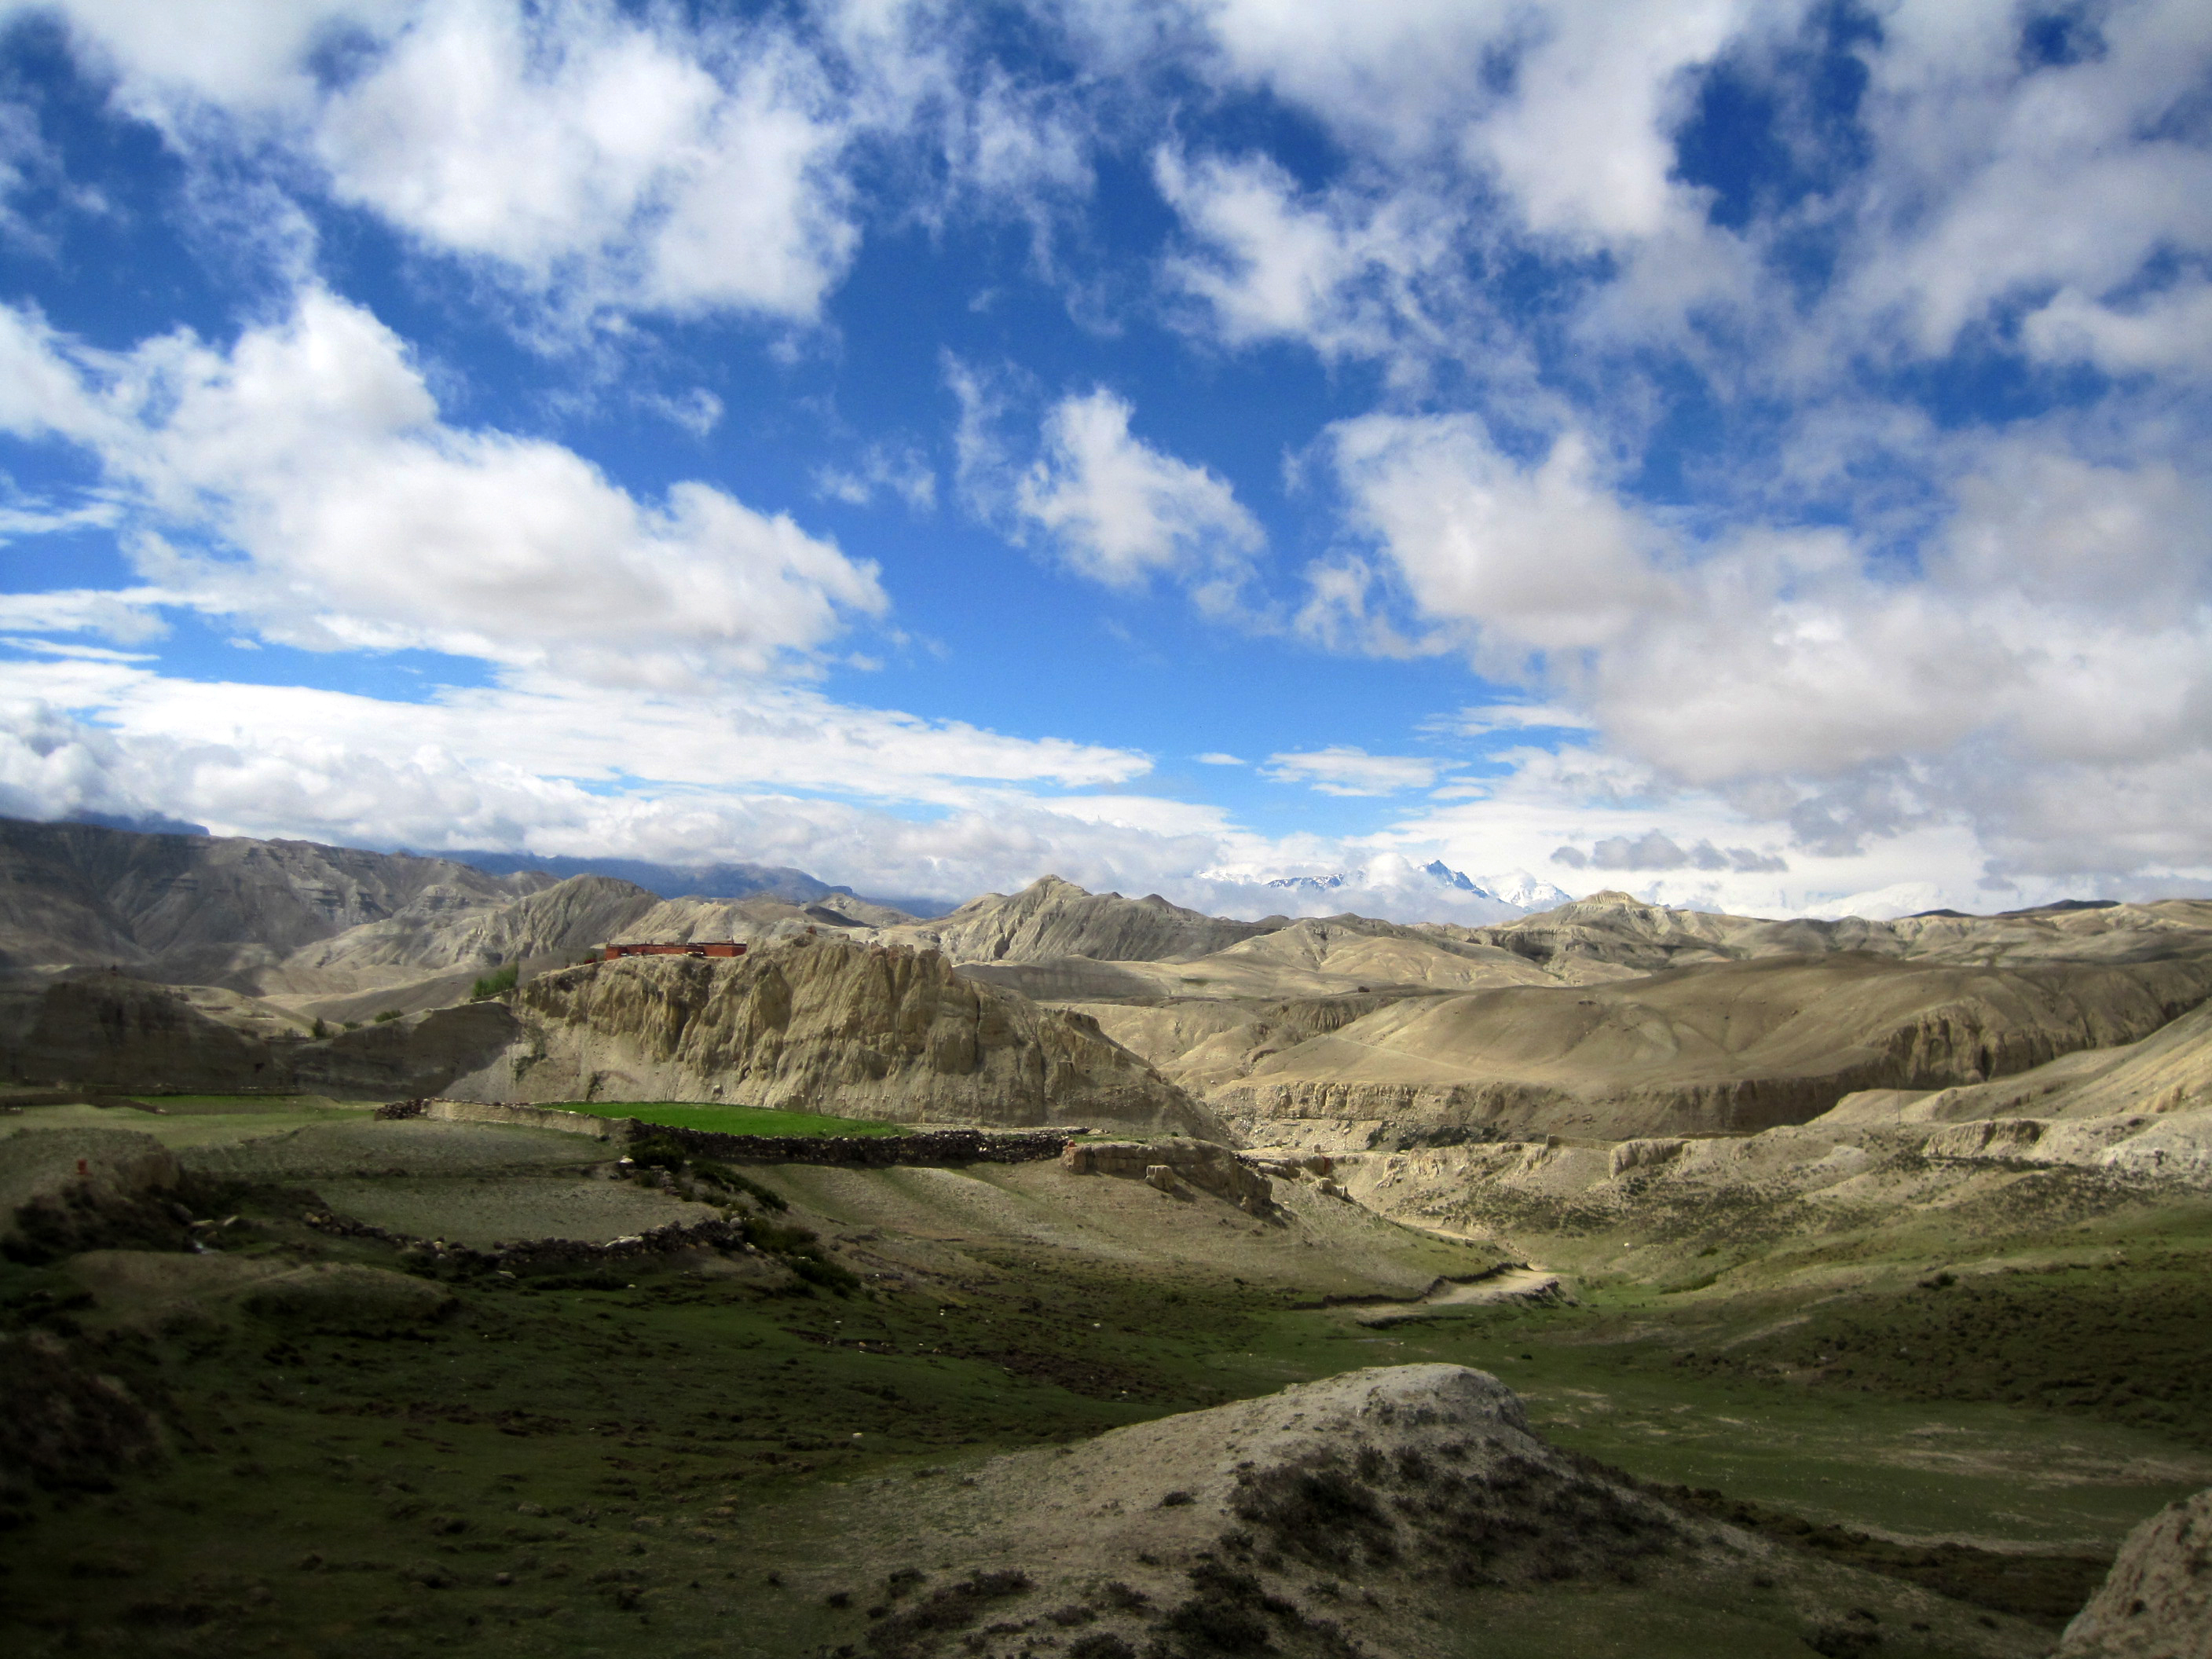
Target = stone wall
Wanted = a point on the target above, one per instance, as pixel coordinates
(927, 1146)
(920, 1146)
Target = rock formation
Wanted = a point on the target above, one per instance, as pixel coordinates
(826, 1025)
(2157, 1603)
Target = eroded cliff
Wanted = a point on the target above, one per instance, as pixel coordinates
(826, 1025)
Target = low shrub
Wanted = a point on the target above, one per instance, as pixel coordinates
(498, 983)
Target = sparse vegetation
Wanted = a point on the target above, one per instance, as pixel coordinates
(496, 983)
(388, 1015)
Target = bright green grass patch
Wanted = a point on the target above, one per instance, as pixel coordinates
(732, 1120)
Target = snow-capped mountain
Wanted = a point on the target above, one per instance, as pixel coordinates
(1517, 889)
(1530, 893)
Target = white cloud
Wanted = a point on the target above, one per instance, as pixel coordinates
(749, 736)
(572, 145)
(901, 471)
(2056, 646)
(131, 614)
(1343, 770)
(1215, 757)
(1346, 275)
(1119, 511)
(1577, 134)
(2052, 185)
(346, 515)
(1476, 722)
(249, 55)
(1539, 554)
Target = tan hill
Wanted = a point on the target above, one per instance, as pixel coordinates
(1730, 1046)
(1054, 918)
(1611, 932)
(827, 1025)
(2169, 1071)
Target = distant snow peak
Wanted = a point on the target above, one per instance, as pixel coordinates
(1309, 884)
(1516, 890)
(1529, 892)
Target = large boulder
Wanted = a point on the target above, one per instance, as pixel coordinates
(2157, 1601)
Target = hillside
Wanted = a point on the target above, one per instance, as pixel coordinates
(1732, 1046)
(829, 1025)
(215, 910)
(1054, 918)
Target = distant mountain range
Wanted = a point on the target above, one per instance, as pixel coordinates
(1519, 889)
(718, 881)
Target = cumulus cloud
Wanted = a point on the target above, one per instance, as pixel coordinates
(345, 514)
(573, 146)
(1344, 770)
(1539, 553)
(2058, 619)
(2008, 176)
(1347, 274)
(1120, 511)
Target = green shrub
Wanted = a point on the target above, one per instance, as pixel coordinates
(388, 1014)
(498, 983)
(658, 1152)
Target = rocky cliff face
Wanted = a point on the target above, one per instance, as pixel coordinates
(824, 1024)
(1054, 918)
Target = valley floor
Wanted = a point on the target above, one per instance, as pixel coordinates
(1938, 1434)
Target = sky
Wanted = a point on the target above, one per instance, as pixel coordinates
(1750, 455)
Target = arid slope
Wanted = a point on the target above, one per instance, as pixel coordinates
(865, 1030)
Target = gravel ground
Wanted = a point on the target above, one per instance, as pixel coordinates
(365, 1146)
(480, 1211)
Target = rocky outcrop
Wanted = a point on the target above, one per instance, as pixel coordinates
(2157, 1601)
(1323, 1520)
(1054, 918)
(1208, 1167)
(2175, 1146)
(823, 1024)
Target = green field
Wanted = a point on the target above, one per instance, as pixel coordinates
(665, 1458)
(729, 1120)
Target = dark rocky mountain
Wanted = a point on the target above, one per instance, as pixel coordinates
(716, 881)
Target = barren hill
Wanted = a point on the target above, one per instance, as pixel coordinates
(1731, 1046)
(1054, 918)
(217, 910)
(827, 1024)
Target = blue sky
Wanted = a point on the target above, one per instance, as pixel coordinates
(1753, 455)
